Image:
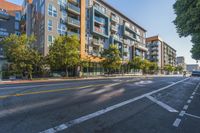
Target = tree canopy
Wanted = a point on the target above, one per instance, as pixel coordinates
(188, 23)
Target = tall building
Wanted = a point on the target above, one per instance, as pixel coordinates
(95, 22)
(180, 61)
(10, 16)
(159, 51)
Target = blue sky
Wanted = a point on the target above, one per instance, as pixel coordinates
(156, 17)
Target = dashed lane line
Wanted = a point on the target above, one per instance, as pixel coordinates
(163, 105)
(177, 122)
(105, 110)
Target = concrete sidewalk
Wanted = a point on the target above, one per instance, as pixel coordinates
(85, 78)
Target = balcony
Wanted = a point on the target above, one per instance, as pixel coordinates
(100, 10)
(99, 20)
(73, 22)
(70, 33)
(128, 34)
(4, 15)
(97, 42)
(126, 50)
(142, 47)
(73, 9)
(63, 20)
(114, 28)
(129, 27)
(115, 19)
(74, 1)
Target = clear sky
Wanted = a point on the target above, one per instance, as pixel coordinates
(156, 17)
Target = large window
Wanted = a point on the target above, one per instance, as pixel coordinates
(50, 25)
(16, 25)
(52, 10)
(62, 29)
(17, 16)
(50, 40)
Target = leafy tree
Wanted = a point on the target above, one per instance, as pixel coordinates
(64, 52)
(20, 52)
(145, 66)
(112, 59)
(169, 68)
(153, 67)
(136, 63)
(188, 23)
(179, 69)
(85, 63)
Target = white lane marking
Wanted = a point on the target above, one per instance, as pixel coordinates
(185, 107)
(191, 97)
(193, 93)
(189, 101)
(111, 85)
(165, 106)
(6, 112)
(103, 111)
(194, 116)
(182, 113)
(177, 122)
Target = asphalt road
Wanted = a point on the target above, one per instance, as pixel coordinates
(124, 105)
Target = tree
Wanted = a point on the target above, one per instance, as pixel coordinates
(145, 66)
(85, 63)
(21, 54)
(64, 52)
(188, 23)
(153, 67)
(136, 63)
(112, 59)
(169, 68)
(179, 69)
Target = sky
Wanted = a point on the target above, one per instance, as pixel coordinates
(156, 17)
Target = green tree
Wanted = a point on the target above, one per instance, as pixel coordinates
(145, 66)
(64, 52)
(85, 63)
(188, 23)
(169, 68)
(153, 67)
(20, 52)
(179, 69)
(136, 63)
(112, 60)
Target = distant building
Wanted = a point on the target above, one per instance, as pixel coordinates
(180, 61)
(192, 67)
(160, 52)
(10, 16)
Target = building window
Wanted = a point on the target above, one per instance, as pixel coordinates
(50, 40)
(62, 2)
(17, 16)
(52, 10)
(17, 25)
(50, 25)
(17, 33)
(62, 29)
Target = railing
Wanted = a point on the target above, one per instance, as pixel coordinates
(115, 19)
(100, 20)
(97, 42)
(74, 8)
(4, 15)
(73, 21)
(100, 9)
(114, 28)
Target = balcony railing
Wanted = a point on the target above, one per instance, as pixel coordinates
(130, 27)
(74, 1)
(73, 8)
(97, 42)
(70, 33)
(4, 15)
(114, 28)
(100, 9)
(115, 19)
(73, 22)
(100, 20)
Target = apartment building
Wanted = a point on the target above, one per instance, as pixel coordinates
(10, 16)
(95, 22)
(180, 61)
(159, 51)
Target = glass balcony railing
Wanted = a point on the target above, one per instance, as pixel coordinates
(73, 21)
(114, 28)
(100, 20)
(74, 1)
(97, 42)
(115, 19)
(73, 8)
(100, 9)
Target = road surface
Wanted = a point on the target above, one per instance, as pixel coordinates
(124, 105)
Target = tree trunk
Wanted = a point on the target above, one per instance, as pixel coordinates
(66, 71)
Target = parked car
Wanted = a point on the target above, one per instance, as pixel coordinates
(195, 74)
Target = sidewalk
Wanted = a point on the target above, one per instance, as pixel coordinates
(78, 79)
